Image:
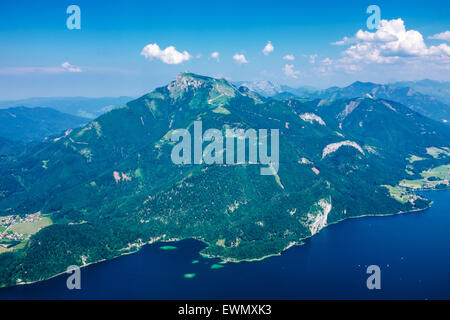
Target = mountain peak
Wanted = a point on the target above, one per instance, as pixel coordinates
(189, 82)
(361, 84)
(184, 80)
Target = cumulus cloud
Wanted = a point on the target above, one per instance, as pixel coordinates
(289, 57)
(290, 72)
(381, 35)
(70, 68)
(215, 55)
(240, 58)
(345, 40)
(327, 61)
(441, 36)
(268, 48)
(312, 58)
(390, 43)
(169, 55)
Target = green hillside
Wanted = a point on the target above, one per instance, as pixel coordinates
(110, 186)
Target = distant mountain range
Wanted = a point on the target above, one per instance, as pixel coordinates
(438, 89)
(110, 186)
(78, 106)
(34, 124)
(426, 97)
(269, 89)
(424, 104)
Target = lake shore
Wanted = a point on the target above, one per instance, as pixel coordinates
(139, 245)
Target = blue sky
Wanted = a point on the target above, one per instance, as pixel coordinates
(39, 56)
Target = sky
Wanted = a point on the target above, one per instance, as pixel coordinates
(131, 47)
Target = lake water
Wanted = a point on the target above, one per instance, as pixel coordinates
(412, 250)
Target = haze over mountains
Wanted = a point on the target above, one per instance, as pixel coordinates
(426, 97)
(34, 124)
(110, 186)
(424, 104)
(438, 89)
(269, 89)
(78, 106)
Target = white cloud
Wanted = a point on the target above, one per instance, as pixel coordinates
(390, 43)
(381, 35)
(290, 72)
(70, 68)
(349, 68)
(240, 58)
(169, 55)
(312, 58)
(268, 48)
(215, 55)
(345, 40)
(441, 36)
(289, 57)
(327, 61)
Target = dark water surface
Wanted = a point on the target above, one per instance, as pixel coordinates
(412, 250)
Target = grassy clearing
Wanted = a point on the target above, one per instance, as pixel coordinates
(138, 173)
(30, 228)
(440, 175)
(400, 194)
(165, 139)
(431, 178)
(221, 243)
(414, 158)
(44, 163)
(221, 110)
(441, 172)
(436, 152)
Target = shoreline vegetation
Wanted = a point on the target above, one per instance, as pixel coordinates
(138, 246)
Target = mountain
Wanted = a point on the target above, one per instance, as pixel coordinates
(111, 186)
(271, 89)
(286, 96)
(8, 147)
(299, 91)
(424, 104)
(78, 106)
(263, 87)
(31, 124)
(438, 89)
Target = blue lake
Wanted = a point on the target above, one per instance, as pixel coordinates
(412, 250)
